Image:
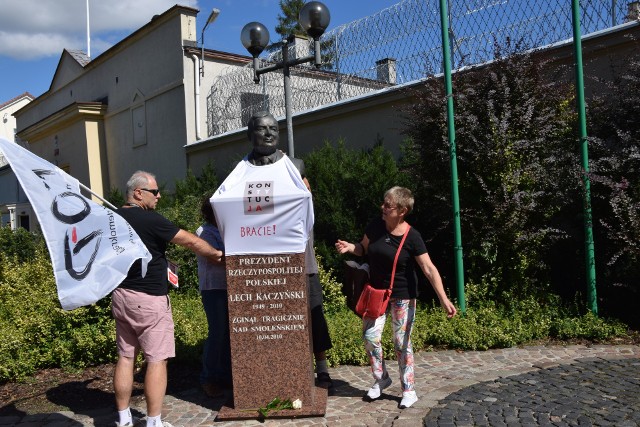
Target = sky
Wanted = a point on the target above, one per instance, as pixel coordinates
(33, 33)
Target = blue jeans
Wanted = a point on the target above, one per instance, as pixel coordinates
(216, 355)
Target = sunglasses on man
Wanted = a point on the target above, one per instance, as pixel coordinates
(153, 191)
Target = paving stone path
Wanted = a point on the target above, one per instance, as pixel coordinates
(572, 385)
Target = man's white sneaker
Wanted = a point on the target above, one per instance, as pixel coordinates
(377, 387)
(130, 424)
(408, 399)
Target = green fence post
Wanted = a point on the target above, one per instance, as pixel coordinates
(582, 118)
(444, 13)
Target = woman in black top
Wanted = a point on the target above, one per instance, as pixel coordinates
(380, 243)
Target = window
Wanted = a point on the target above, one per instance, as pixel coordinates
(23, 221)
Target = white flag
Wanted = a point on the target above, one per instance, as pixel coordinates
(91, 247)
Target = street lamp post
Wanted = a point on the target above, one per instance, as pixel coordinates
(212, 17)
(314, 18)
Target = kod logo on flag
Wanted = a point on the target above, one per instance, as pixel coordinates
(258, 198)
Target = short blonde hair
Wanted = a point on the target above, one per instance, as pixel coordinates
(401, 196)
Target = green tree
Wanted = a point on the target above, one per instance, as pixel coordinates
(519, 180)
(614, 151)
(288, 25)
(288, 18)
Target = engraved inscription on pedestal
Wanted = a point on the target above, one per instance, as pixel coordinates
(269, 325)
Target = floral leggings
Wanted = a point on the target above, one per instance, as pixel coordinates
(402, 315)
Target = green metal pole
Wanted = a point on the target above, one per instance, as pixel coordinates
(582, 118)
(444, 13)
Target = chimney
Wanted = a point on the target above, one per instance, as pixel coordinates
(386, 70)
(633, 11)
(301, 48)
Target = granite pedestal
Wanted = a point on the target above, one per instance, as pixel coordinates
(271, 347)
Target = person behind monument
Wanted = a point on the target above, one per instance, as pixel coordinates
(141, 305)
(263, 132)
(380, 243)
(216, 354)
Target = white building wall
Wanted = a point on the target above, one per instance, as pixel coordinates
(14, 205)
(8, 121)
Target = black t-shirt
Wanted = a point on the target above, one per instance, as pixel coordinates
(381, 253)
(156, 232)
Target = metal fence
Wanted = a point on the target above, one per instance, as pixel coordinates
(401, 44)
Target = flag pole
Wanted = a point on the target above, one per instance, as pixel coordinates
(84, 187)
(592, 299)
(88, 33)
(451, 133)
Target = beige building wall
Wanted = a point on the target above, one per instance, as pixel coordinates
(15, 210)
(198, 85)
(141, 86)
(73, 139)
(8, 121)
(360, 122)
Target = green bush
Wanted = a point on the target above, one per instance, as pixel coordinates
(35, 333)
(588, 326)
(487, 324)
(116, 197)
(20, 243)
(333, 298)
(190, 326)
(186, 216)
(347, 187)
(345, 329)
(614, 147)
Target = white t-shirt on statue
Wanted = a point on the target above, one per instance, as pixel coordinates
(264, 209)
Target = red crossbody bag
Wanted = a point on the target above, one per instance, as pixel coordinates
(373, 302)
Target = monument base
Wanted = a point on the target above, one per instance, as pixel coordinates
(317, 408)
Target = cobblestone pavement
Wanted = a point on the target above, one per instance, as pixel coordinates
(531, 386)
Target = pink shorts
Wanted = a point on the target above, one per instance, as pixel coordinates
(144, 322)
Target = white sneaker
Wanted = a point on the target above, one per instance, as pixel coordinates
(408, 399)
(378, 386)
(164, 424)
(130, 424)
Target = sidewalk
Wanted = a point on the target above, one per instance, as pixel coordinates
(556, 385)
